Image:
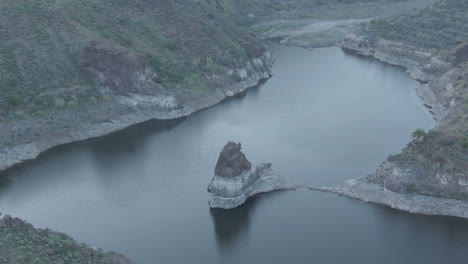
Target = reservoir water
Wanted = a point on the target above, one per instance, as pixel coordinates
(324, 117)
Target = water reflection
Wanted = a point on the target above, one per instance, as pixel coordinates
(130, 139)
(371, 61)
(5, 182)
(232, 227)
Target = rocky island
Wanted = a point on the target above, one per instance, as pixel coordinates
(234, 181)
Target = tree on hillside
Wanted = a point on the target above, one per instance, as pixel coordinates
(419, 134)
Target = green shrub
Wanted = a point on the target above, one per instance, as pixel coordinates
(418, 134)
(72, 104)
(13, 100)
(464, 143)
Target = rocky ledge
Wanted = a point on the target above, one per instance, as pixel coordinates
(235, 181)
(364, 190)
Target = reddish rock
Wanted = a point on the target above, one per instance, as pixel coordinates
(461, 53)
(232, 162)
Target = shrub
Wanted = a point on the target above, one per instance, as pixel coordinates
(418, 134)
(13, 100)
(464, 143)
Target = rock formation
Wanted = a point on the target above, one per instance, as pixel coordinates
(232, 162)
(234, 181)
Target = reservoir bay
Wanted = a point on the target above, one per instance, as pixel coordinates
(323, 118)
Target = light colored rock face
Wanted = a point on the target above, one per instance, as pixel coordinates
(443, 179)
(362, 189)
(430, 100)
(166, 102)
(463, 182)
(229, 187)
(228, 193)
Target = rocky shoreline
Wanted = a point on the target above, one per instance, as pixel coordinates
(439, 93)
(428, 69)
(421, 66)
(364, 190)
(11, 156)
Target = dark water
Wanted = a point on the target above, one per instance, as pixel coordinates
(324, 117)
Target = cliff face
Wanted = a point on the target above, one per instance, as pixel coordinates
(437, 165)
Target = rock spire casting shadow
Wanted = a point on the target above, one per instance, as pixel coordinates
(235, 181)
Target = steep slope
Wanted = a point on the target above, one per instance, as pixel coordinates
(71, 70)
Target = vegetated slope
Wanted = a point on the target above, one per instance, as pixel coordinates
(437, 165)
(267, 10)
(440, 26)
(70, 63)
(21, 243)
(315, 24)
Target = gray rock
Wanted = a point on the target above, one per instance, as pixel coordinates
(362, 189)
(234, 181)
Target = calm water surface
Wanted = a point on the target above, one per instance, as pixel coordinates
(324, 117)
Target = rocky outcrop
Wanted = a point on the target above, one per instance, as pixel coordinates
(234, 181)
(367, 191)
(118, 68)
(127, 73)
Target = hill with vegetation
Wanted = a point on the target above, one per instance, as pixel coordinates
(21, 243)
(43, 43)
(440, 26)
(432, 44)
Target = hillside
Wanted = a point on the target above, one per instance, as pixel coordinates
(255, 11)
(77, 69)
(431, 44)
(21, 243)
(315, 24)
(438, 27)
